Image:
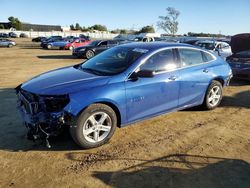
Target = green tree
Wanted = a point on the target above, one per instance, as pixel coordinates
(77, 27)
(147, 29)
(116, 31)
(123, 31)
(1, 26)
(72, 27)
(169, 22)
(15, 22)
(98, 27)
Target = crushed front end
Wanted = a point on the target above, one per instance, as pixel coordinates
(44, 116)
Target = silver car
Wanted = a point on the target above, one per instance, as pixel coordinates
(7, 43)
(222, 49)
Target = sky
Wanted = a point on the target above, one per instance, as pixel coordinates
(212, 16)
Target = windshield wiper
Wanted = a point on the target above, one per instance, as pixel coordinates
(93, 71)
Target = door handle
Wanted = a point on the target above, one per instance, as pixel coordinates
(205, 70)
(173, 78)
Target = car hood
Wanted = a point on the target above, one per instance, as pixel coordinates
(63, 81)
(240, 42)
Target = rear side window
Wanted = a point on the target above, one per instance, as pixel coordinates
(189, 57)
(161, 61)
(207, 57)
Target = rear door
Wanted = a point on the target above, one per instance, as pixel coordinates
(150, 96)
(195, 76)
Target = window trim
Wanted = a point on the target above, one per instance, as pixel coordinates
(176, 53)
(175, 58)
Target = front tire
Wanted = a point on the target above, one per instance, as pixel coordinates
(10, 45)
(95, 126)
(213, 95)
(49, 46)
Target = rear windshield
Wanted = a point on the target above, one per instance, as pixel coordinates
(209, 46)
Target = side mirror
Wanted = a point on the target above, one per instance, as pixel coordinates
(142, 74)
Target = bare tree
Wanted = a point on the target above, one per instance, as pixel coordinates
(169, 22)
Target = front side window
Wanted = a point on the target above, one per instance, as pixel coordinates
(189, 57)
(161, 61)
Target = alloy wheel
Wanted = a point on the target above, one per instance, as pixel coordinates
(97, 127)
(214, 96)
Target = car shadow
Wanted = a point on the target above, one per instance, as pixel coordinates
(175, 170)
(180, 170)
(237, 82)
(241, 99)
(32, 47)
(56, 57)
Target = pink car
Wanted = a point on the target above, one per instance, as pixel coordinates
(76, 43)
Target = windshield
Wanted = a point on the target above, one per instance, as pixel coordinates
(209, 45)
(94, 43)
(112, 61)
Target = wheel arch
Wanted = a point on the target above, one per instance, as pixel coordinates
(219, 79)
(111, 105)
(116, 110)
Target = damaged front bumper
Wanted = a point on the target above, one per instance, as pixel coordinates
(41, 124)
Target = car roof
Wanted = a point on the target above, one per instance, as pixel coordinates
(155, 45)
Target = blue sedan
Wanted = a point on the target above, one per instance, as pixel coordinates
(120, 86)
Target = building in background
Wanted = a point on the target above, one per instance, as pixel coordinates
(33, 27)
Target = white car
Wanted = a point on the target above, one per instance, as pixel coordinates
(7, 43)
(222, 49)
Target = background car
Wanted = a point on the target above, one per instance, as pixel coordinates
(123, 85)
(82, 36)
(44, 43)
(23, 35)
(7, 43)
(240, 59)
(94, 48)
(39, 39)
(12, 35)
(56, 43)
(222, 49)
(4, 35)
(77, 42)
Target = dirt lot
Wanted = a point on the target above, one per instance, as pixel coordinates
(190, 148)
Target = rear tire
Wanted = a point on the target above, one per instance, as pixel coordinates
(95, 126)
(213, 96)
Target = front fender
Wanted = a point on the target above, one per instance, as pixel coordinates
(111, 93)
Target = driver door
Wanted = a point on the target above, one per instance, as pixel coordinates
(151, 96)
